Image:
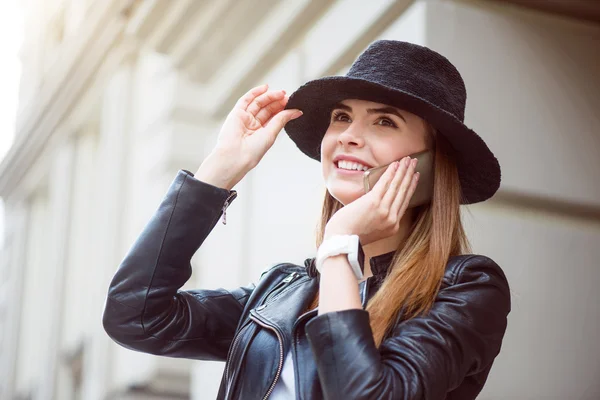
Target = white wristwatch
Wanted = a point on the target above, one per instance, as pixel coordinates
(343, 244)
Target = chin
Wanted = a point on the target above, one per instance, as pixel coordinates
(345, 193)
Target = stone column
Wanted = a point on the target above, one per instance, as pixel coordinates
(12, 262)
(107, 213)
(59, 197)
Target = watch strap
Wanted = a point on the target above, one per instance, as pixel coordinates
(342, 244)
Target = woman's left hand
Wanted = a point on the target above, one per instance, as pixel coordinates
(377, 214)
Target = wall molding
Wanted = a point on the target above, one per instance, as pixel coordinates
(65, 86)
(520, 201)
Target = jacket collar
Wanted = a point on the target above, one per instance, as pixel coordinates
(379, 265)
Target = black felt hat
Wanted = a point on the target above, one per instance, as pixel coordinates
(410, 77)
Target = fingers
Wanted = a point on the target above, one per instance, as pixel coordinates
(277, 122)
(283, 103)
(266, 113)
(382, 184)
(246, 99)
(264, 100)
(395, 182)
(411, 190)
(405, 191)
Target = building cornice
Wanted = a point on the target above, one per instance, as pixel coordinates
(65, 84)
(154, 24)
(225, 46)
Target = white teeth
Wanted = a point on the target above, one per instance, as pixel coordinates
(351, 165)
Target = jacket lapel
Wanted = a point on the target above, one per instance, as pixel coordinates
(284, 307)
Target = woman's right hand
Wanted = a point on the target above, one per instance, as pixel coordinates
(247, 134)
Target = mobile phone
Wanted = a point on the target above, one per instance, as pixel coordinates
(424, 191)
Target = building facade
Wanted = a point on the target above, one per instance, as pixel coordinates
(117, 96)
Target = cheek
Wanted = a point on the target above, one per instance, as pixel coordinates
(327, 148)
(391, 150)
(327, 143)
(384, 152)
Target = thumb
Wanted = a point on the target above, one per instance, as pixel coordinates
(276, 124)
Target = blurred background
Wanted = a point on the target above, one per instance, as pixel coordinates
(116, 96)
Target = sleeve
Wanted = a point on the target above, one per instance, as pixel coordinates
(424, 357)
(145, 310)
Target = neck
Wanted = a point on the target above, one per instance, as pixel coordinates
(389, 243)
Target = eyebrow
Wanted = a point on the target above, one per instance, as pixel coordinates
(380, 110)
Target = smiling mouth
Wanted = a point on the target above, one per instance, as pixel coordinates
(350, 166)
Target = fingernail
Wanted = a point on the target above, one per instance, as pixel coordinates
(283, 91)
(406, 160)
(297, 114)
(416, 176)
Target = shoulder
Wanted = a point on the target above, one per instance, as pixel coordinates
(277, 276)
(470, 266)
(278, 270)
(476, 274)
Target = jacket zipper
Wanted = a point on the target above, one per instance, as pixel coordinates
(288, 279)
(363, 302)
(280, 366)
(228, 201)
(235, 340)
(282, 284)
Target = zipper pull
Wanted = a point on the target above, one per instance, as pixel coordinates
(290, 277)
(232, 196)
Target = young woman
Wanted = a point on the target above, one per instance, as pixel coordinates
(393, 306)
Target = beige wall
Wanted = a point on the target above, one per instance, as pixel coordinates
(533, 94)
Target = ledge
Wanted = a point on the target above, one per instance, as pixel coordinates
(66, 82)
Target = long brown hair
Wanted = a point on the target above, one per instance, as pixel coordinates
(418, 266)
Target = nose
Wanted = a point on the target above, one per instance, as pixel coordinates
(351, 137)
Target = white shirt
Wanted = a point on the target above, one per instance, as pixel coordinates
(285, 388)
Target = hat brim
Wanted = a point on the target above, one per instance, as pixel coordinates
(478, 168)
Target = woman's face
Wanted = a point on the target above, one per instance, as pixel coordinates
(370, 134)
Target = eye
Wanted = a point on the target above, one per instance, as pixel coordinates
(386, 122)
(339, 115)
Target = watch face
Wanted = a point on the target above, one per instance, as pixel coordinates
(361, 257)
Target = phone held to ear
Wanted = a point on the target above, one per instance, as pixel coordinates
(424, 191)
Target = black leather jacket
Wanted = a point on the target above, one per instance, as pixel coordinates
(446, 354)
